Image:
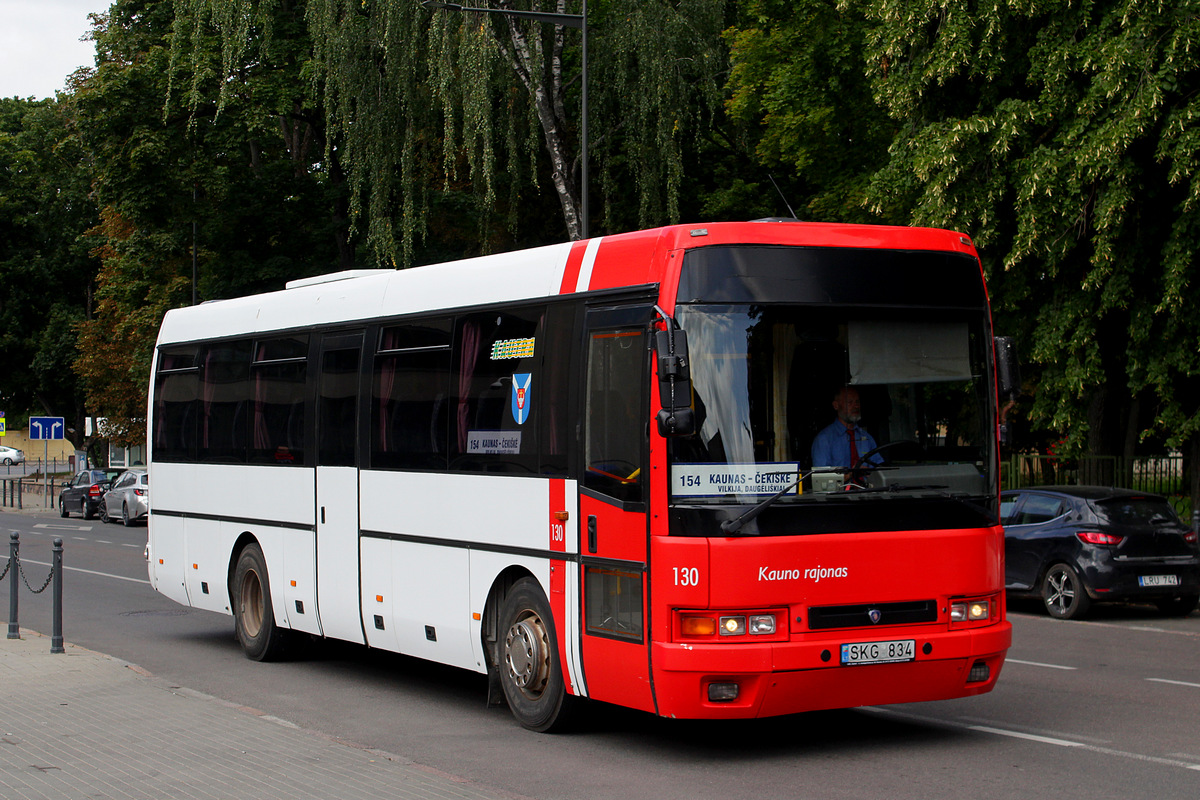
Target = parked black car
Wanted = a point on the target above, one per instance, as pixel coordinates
(84, 493)
(1075, 545)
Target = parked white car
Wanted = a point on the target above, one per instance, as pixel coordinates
(10, 455)
(129, 498)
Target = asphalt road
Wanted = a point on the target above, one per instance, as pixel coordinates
(1108, 707)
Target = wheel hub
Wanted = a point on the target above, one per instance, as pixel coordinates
(251, 605)
(526, 655)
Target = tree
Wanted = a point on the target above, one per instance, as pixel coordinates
(234, 180)
(1065, 137)
(44, 266)
(415, 98)
(797, 79)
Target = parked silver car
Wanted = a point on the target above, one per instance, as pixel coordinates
(129, 498)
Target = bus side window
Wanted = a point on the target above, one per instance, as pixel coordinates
(176, 404)
(278, 377)
(496, 385)
(224, 400)
(557, 427)
(410, 401)
(616, 415)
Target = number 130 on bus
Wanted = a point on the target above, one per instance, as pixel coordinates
(684, 470)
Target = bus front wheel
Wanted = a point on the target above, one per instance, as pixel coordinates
(530, 672)
(260, 637)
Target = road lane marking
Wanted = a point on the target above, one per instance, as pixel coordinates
(1036, 664)
(1033, 737)
(89, 572)
(1091, 623)
(1175, 683)
(50, 527)
(1014, 734)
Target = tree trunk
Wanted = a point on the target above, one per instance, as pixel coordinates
(544, 83)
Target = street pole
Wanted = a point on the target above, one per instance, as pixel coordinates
(583, 128)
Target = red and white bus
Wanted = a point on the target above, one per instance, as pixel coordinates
(587, 469)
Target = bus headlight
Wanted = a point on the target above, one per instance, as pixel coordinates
(971, 610)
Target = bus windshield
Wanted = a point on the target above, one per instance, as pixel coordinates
(835, 403)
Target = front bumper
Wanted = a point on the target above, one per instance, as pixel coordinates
(793, 677)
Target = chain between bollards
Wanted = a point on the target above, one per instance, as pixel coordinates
(13, 570)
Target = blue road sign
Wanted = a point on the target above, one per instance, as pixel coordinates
(46, 427)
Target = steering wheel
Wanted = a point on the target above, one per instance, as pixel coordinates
(859, 464)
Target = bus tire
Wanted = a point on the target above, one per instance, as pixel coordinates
(260, 637)
(529, 665)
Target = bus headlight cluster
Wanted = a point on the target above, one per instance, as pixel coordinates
(980, 610)
(698, 625)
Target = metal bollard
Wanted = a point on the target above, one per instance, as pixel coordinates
(56, 634)
(14, 630)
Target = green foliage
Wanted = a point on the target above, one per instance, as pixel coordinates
(1064, 137)
(422, 105)
(230, 170)
(797, 77)
(44, 268)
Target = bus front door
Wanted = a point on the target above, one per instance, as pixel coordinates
(337, 487)
(613, 518)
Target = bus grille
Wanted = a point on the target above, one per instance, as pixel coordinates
(859, 616)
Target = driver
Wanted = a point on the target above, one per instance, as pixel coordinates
(843, 442)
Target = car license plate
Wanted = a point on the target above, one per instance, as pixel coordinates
(1158, 580)
(879, 652)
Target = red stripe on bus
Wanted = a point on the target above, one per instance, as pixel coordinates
(574, 264)
(557, 527)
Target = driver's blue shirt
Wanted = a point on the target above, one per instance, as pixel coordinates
(831, 447)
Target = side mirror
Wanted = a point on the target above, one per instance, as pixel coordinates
(674, 384)
(1008, 374)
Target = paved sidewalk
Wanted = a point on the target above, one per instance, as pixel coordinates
(83, 725)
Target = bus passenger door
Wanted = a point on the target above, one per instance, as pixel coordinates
(337, 487)
(613, 526)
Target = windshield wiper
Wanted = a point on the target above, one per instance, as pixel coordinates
(734, 525)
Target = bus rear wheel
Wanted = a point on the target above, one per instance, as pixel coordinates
(260, 637)
(530, 670)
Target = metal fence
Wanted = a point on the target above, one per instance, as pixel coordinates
(29, 492)
(36, 466)
(1158, 474)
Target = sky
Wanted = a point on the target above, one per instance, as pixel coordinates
(39, 44)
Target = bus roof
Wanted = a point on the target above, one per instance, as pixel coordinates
(608, 262)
